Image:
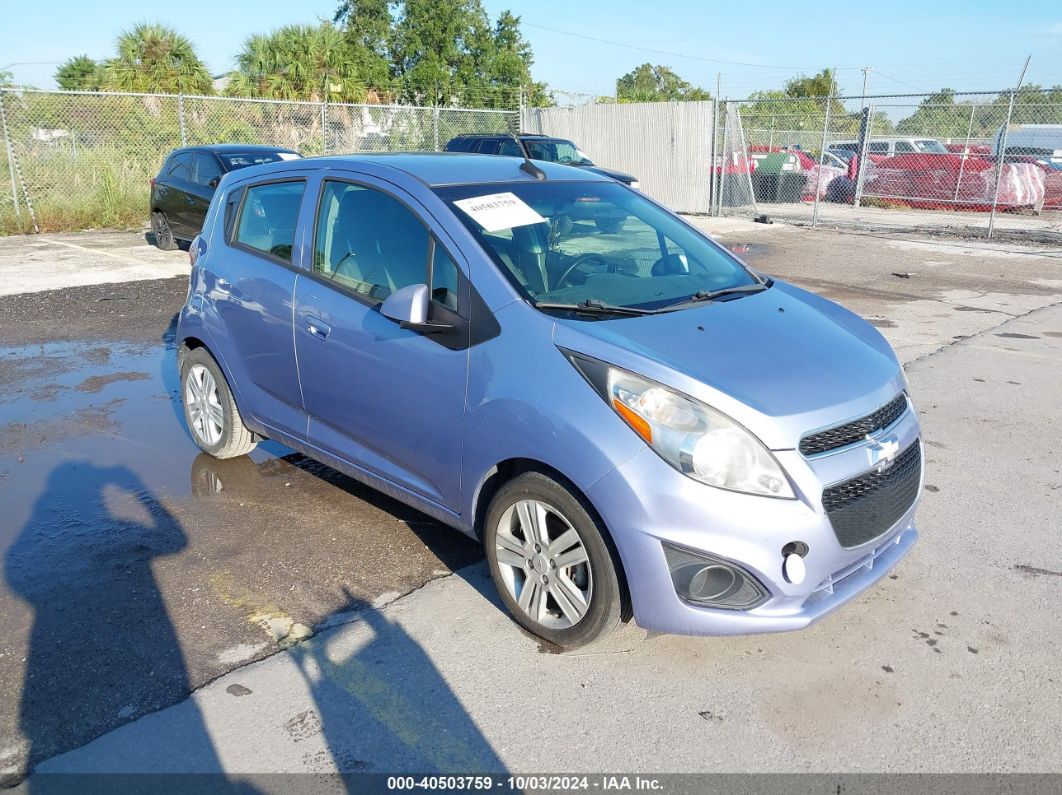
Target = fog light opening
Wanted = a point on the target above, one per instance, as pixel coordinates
(704, 580)
(711, 582)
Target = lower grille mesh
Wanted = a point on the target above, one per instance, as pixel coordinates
(863, 508)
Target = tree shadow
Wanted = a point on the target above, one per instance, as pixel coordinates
(102, 650)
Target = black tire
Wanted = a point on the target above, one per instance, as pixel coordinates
(234, 438)
(160, 228)
(603, 609)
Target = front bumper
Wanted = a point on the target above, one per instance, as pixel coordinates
(645, 501)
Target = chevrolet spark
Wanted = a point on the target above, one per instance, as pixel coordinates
(633, 422)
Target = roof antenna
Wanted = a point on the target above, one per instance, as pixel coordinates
(527, 166)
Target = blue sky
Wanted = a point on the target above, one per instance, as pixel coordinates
(916, 45)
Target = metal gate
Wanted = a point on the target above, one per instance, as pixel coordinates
(666, 146)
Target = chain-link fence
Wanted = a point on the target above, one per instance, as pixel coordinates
(75, 160)
(976, 163)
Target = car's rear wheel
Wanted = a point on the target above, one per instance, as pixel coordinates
(209, 408)
(550, 562)
(160, 228)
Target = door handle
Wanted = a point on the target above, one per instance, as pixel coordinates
(317, 327)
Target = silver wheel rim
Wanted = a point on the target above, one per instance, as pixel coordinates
(544, 564)
(204, 405)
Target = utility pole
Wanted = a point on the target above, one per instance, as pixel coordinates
(866, 70)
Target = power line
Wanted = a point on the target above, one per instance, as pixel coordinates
(670, 52)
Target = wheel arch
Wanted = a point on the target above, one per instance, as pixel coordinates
(511, 468)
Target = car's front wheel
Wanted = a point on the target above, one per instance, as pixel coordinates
(550, 561)
(160, 228)
(209, 408)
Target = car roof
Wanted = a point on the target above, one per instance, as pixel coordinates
(228, 149)
(503, 135)
(433, 169)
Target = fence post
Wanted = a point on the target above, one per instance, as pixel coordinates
(435, 126)
(10, 156)
(965, 152)
(324, 121)
(822, 156)
(724, 156)
(865, 131)
(712, 157)
(180, 119)
(1001, 154)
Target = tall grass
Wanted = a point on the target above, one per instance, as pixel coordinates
(100, 188)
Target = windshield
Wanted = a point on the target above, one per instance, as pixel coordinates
(242, 160)
(578, 242)
(930, 146)
(557, 151)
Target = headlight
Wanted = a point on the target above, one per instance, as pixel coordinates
(695, 439)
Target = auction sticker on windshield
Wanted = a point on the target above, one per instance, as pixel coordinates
(499, 211)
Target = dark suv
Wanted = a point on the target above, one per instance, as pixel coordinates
(181, 193)
(536, 147)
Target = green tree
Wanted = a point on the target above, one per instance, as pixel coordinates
(156, 58)
(648, 83)
(6, 79)
(820, 85)
(367, 30)
(79, 73)
(298, 62)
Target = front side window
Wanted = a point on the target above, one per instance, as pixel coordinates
(268, 216)
(578, 242)
(368, 241)
(206, 169)
(557, 151)
(878, 148)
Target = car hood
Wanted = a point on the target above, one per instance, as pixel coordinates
(782, 362)
(608, 172)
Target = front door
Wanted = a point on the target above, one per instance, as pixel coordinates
(387, 399)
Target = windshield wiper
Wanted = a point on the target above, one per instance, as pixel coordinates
(710, 295)
(592, 306)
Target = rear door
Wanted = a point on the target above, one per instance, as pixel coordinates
(252, 294)
(385, 398)
(173, 195)
(205, 170)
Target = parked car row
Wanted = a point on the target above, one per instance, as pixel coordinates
(631, 420)
(189, 176)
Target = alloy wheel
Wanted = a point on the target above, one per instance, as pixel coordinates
(204, 405)
(543, 564)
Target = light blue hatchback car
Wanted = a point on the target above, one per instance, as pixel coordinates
(633, 421)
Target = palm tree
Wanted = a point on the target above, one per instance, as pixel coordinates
(298, 62)
(156, 58)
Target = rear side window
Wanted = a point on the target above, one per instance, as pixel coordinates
(878, 148)
(904, 148)
(487, 147)
(268, 216)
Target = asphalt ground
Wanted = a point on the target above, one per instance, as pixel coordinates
(137, 571)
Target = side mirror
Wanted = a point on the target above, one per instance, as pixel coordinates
(214, 182)
(409, 308)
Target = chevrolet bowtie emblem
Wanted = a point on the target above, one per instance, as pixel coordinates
(882, 451)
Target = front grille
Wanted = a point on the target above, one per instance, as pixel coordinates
(854, 431)
(864, 507)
